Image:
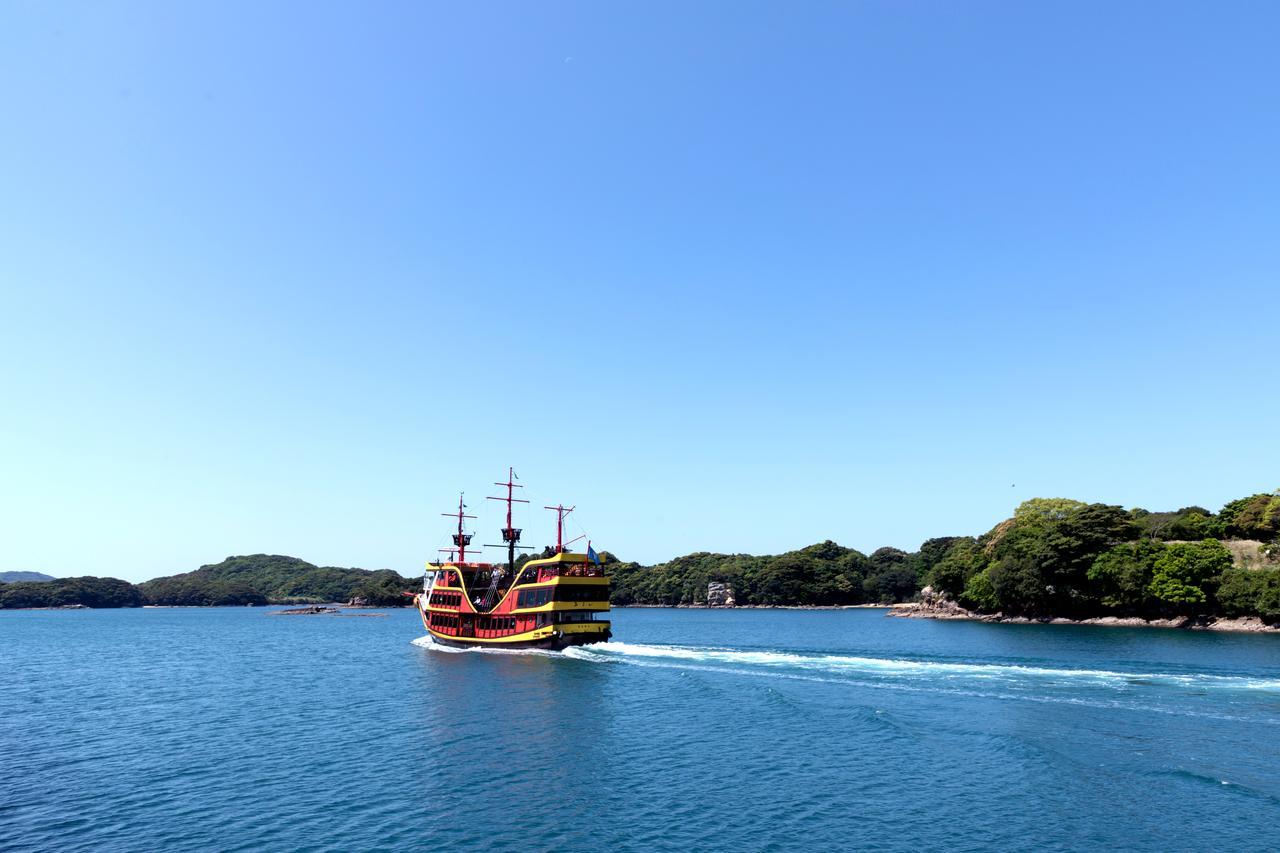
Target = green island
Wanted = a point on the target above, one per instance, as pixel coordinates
(256, 579)
(1055, 557)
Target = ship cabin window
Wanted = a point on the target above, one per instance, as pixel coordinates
(575, 616)
(441, 622)
(495, 624)
(533, 597)
(577, 592)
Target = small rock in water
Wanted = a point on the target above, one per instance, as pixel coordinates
(306, 611)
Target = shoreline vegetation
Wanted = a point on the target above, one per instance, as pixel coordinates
(1055, 560)
(253, 580)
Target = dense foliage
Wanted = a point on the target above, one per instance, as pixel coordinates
(268, 578)
(65, 592)
(822, 574)
(1066, 558)
(1055, 556)
(255, 579)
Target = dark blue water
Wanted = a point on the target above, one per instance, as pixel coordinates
(230, 729)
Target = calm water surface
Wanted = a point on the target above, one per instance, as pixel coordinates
(228, 729)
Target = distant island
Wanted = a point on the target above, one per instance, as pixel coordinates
(1055, 557)
(256, 579)
(25, 577)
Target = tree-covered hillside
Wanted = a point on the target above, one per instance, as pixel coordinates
(269, 578)
(1062, 557)
(822, 574)
(253, 579)
(65, 592)
(1055, 557)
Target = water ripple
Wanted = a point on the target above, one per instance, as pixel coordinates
(224, 729)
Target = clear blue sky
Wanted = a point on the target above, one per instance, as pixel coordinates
(285, 277)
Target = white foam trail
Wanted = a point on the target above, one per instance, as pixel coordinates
(912, 669)
(897, 669)
(427, 642)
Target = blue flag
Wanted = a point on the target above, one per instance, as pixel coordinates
(592, 555)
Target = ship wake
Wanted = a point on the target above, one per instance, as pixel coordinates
(911, 670)
(904, 673)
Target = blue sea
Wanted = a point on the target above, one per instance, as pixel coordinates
(229, 729)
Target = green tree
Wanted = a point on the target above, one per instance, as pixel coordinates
(934, 551)
(1121, 576)
(1195, 523)
(1043, 510)
(1185, 575)
(1254, 517)
(1043, 554)
(1019, 586)
(1069, 548)
(891, 576)
(1246, 592)
(952, 572)
(980, 594)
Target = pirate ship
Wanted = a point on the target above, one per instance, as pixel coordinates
(551, 602)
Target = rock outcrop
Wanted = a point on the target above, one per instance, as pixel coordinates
(317, 610)
(933, 604)
(720, 594)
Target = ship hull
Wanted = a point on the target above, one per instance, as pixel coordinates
(551, 639)
(553, 644)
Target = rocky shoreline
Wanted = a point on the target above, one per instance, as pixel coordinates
(935, 606)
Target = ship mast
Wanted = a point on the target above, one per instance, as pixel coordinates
(460, 539)
(561, 512)
(510, 535)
